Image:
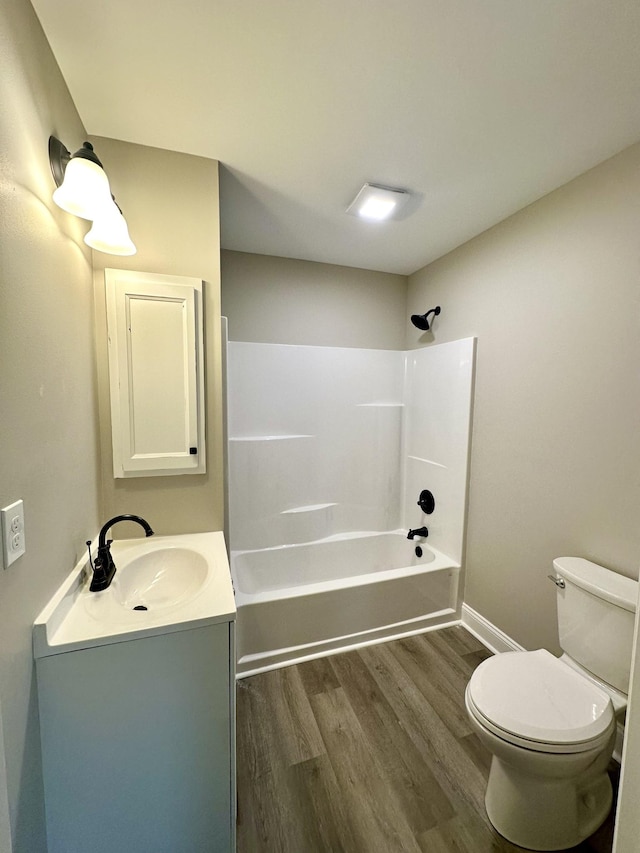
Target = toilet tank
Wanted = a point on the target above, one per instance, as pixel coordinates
(596, 614)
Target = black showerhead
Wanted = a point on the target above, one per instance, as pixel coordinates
(421, 321)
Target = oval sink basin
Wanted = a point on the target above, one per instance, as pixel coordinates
(161, 578)
(182, 579)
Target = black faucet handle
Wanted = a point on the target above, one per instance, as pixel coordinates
(426, 501)
(88, 544)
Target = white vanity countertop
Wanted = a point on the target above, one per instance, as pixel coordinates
(76, 618)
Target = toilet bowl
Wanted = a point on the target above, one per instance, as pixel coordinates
(551, 732)
(550, 723)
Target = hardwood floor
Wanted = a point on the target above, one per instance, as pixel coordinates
(368, 752)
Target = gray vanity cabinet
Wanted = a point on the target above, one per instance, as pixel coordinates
(138, 744)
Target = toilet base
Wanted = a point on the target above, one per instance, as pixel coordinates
(547, 813)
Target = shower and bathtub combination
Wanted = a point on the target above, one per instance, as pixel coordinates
(332, 453)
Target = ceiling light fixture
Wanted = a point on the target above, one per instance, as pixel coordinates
(377, 203)
(83, 190)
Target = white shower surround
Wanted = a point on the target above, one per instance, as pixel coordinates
(331, 444)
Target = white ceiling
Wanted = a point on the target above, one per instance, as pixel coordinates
(479, 107)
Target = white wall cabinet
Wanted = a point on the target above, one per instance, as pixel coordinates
(156, 373)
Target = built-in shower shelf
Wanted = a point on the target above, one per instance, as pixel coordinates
(380, 405)
(268, 437)
(311, 508)
(428, 461)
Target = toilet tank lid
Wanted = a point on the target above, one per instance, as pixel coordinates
(605, 583)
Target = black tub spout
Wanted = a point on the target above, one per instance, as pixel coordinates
(419, 531)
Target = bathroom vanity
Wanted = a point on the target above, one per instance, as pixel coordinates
(137, 709)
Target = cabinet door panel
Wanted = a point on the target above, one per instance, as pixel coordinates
(155, 368)
(137, 738)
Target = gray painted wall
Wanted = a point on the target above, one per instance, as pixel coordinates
(49, 424)
(175, 224)
(285, 301)
(49, 430)
(553, 296)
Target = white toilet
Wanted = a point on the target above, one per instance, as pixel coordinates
(550, 722)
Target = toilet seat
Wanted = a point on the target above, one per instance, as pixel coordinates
(534, 700)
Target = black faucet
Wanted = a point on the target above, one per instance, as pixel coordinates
(419, 531)
(103, 566)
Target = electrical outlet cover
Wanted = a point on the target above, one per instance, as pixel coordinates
(13, 541)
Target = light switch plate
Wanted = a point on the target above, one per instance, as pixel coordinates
(13, 541)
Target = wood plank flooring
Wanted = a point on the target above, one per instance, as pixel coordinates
(368, 751)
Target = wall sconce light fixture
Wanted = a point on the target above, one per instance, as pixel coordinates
(109, 232)
(83, 190)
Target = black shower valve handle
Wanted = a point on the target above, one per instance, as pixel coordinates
(426, 502)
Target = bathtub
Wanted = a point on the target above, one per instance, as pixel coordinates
(297, 602)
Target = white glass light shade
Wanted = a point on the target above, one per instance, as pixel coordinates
(85, 189)
(376, 203)
(110, 234)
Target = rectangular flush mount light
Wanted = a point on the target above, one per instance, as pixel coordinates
(376, 202)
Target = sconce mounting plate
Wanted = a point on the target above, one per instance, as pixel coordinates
(59, 156)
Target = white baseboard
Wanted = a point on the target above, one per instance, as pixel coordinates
(490, 636)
